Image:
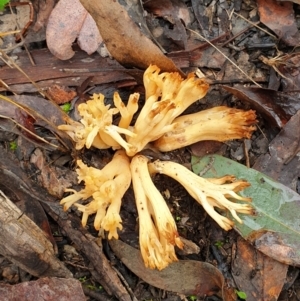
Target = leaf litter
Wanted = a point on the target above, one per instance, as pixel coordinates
(264, 239)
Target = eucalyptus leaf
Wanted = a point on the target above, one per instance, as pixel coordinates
(200, 278)
(275, 227)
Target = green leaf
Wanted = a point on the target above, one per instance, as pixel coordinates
(241, 295)
(66, 107)
(3, 3)
(13, 145)
(275, 228)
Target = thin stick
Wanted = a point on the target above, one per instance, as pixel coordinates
(31, 15)
(20, 37)
(254, 24)
(3, 34)
(6, 86)
(4, 55)
(261, 131)
(246, 154)
(232, 62)
(238, 34)
(31, 133)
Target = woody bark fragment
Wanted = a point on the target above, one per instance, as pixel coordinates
(17, 233)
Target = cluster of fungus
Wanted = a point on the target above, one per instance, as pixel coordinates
(160, 126)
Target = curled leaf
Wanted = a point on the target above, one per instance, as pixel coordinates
(68, 21)
(123, 37)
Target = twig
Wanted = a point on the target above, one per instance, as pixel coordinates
(238, 34)
(95, 295)
(246, 154)
(232, 62)
(254, 24)
(40, 139)
(126, 284)
(6, 86)
(234, 81)
(4, 55)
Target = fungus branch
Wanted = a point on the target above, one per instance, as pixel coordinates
(158, 232)
(209, 193)
(106, 188)
(218, 123)
(167, 96)
(96, 125)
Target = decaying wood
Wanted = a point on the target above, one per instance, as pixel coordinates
(87, 244)
(14, 179)
(49, 71)
(25, 244)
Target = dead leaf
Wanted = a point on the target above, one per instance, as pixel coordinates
(211, 58)
(44, 9)
(175, 12)
(36, 108)
(289, 68)
(280, 17)
(204, 15)
(171, 10)
(256, 274)
(123, 37)
(68, 21)
(49, 289)
(53, 178)
(89, 38)
(200, 278)
(27, 122)
(207, 147)
(281, 162)
(280, 246)
(60, 94)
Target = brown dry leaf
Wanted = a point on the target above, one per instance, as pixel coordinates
(280, 17)
(55, 179)
(35, 108)
(259, 276)
(103, 70)
(68, 21)
(123, 37)
(288, 65)
(282, 162)
(200, 278)
(176, 13)
(60, 94)
(43, 9)
(170, 10)
(204, 15)
(207, 147)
